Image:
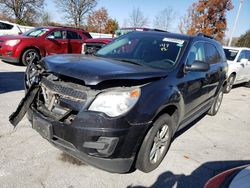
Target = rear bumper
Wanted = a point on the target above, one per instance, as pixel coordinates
(108, 144)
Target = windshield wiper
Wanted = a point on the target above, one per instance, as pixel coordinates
(128, 61)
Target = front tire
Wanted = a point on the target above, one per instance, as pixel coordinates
(230, 83)
(29, 55)
(217, 103)
(155, 144)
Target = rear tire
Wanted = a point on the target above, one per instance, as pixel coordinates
(217, 103)
(155, 144)
(230, 83)
(29, 55)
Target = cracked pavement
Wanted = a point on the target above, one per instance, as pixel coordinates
(208, 147)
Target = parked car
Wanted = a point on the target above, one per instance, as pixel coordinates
(122, 106)
(40, 42)
(91, 46)
(238, 59)
(238, 177)
(7, 28)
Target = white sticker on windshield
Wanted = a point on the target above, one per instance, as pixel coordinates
(233, 51)
(178, 41)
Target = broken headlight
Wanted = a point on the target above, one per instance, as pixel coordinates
(115, 103)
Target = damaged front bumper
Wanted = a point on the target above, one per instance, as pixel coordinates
(93, 145)
(93, 137)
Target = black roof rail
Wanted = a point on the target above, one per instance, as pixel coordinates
(70, 27)
(203, 35)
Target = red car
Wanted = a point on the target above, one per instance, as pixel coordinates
(238, 177)
(40, 42)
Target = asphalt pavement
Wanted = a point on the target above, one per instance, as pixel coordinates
(205, 148)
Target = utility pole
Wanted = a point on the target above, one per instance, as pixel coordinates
(235, 23)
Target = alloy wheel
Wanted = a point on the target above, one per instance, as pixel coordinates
(230, 83)
(159, 144)
(218, 101)
(30, 57)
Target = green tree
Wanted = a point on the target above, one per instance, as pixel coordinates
(244, 40)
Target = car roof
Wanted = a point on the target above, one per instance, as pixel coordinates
(179, 36)
(61, 27)
(7, 22)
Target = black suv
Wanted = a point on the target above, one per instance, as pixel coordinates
(120, 108)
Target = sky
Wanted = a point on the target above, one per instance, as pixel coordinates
(120, 10)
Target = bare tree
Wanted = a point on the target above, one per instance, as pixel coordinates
(186, 21)
(75, 9)
(164, 18)
(45, 18)
(137, 19)
(23, 11)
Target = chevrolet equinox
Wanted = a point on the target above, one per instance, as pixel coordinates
(119, 109)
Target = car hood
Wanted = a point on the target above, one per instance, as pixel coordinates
(13, 37)
(94, 70)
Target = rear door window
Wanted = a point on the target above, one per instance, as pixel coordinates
(212, 54)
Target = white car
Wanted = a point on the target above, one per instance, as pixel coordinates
(7, 28)
(238, 59)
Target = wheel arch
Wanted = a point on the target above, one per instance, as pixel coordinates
(233, 73)
(31, 47)
(172, 110)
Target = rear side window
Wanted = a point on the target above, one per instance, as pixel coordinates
(73, 35)
(212, 54)
(86, 35)
(248, 55)
(5, 26)
(197, 52)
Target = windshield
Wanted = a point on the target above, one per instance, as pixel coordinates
(154, 50)
(231, 54)
(37, 32)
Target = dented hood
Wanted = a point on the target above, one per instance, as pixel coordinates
(94, 70)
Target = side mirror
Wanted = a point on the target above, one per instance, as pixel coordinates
(50, 37)
(243, 60)
(198, 66)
